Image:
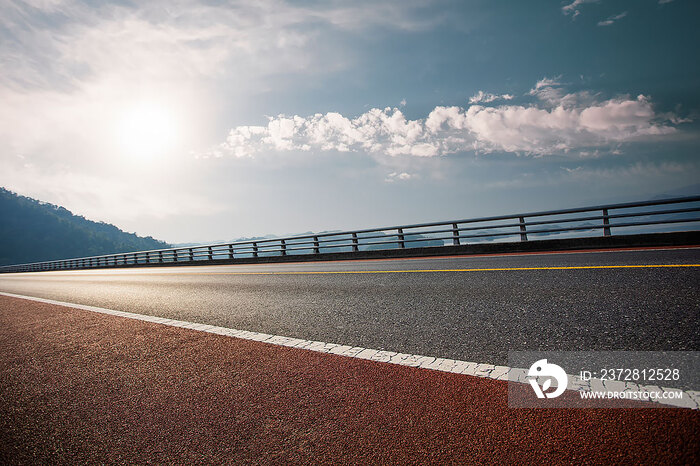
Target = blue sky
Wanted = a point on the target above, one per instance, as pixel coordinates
(198, 121)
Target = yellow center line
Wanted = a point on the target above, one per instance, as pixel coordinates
(351, 272)
(500, 269)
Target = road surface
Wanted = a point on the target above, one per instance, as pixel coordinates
(467, 308)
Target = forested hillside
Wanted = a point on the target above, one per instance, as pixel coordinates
(32, 231)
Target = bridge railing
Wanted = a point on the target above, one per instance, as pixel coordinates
(634, 217)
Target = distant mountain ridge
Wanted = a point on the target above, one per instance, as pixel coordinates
(31, 230)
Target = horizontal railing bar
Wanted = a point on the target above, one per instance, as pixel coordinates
(589, 227)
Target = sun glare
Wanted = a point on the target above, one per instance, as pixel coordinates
(147, 132)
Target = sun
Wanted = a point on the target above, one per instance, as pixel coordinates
(147, 131)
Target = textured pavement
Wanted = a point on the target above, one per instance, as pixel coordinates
(81, 387)
(472, 316)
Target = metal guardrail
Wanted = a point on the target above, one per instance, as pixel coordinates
(516, 227)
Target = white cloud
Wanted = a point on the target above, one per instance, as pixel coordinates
(637, 170)
(485, 97)
(573, 7)
(612, 19)
(548, 89)
(395, 176)
(558, 122)
(70, 41)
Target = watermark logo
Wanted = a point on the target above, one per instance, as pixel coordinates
(547, 371)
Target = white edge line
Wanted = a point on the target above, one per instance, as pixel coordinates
(690, 398)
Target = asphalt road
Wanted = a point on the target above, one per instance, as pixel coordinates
(433, 306)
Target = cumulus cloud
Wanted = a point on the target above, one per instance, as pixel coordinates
(556, 122)
(612, 19)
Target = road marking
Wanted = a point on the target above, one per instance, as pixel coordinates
(498, 269)
(359, 272)
(690, 398)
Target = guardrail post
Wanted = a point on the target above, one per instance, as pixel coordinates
(606, 223)
(284, 247)
(402, 243)
(455, 235)
(523, 234)
(317, 249)
(136, 258)
(148, 258)
(355, 243)
(210, 255)
(230, 251)
(191, 255)
(255, 249)
(160, 256)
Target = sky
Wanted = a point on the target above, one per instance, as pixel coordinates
(195, 121)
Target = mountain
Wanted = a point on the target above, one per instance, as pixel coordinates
(32, 231)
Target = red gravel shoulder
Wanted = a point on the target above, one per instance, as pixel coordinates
(82, 387)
